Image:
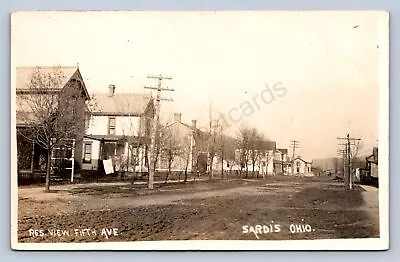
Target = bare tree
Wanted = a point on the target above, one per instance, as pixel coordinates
(170, 147)
(254, 142)
(225, 151)
(187, 153)
(136, 134)
(243, 144)
(53, 110)
(212, 147)
(354, 155)
(268, 156)
(261, 151)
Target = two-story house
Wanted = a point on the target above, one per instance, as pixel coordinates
(281, 161)
(267, 159)
(118, 129)
(192, 147)
(46, 99)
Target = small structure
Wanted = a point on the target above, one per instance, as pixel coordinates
(302, 167)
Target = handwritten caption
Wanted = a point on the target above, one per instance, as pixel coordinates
(294, 228)
(77, 232)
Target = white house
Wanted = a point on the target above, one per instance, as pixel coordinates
(191, 140)
(118, 129)
(281, 161)
(302, 167)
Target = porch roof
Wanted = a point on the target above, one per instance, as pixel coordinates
(116, 138)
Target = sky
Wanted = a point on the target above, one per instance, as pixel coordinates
(306, 76)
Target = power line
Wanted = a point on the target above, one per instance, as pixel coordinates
(156, 119)
(294, 144)
(348, 142)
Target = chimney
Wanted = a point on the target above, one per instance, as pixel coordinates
(194, 122)
(177, 117)
(111, 90)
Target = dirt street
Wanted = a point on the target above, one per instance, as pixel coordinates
(276, 208)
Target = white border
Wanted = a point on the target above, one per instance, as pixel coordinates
(381, 243)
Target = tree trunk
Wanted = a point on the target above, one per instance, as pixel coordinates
(222, 167)
(133, 173)
(169, 171)
(186, 176)
(48, 165)
(186, 167)
(211, 167)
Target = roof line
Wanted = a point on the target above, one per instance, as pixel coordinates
(46, 67)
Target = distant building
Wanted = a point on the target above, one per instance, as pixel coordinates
(301, 167)
(281, 163)
(267, 161)
(265, 158)
(118, 129)
(192, 142)
(372, 163)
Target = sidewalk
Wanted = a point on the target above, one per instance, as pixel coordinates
(371, 199)
(31, 191)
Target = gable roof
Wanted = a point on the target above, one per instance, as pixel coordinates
(196, 130)
(127, 104)
(305, 161)
(283, 151)
(24, 76)
(374, 157)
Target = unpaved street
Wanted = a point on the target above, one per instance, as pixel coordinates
(228, 209)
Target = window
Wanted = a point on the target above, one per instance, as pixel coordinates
(87, 153)
(111, 125)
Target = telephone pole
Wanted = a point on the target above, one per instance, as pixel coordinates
(343, 154)
(348, 142)
(293, 144)
(156, 119)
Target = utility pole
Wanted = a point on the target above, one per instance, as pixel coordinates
(343, 153)
(349, 141)
(156, 119)
(293, 144)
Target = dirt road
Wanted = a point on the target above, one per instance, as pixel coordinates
(196, 210)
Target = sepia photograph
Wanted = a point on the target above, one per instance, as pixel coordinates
(200, 130)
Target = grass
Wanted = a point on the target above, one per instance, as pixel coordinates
(333, 196)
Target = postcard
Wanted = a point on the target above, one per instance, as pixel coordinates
(200, 130)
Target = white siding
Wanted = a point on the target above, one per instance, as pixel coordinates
(305, 168)
(95, 154)
(98, 125)
(127, 125)
(124, 125)
(96, 149)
